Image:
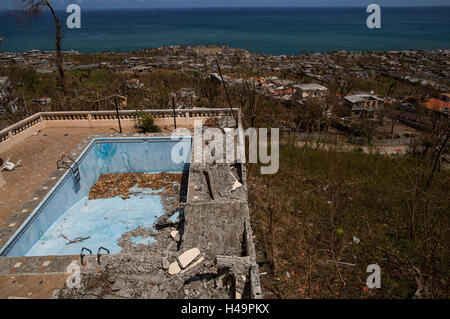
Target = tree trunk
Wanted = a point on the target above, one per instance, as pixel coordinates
(59, 59)
(438, 159)
(392, 128)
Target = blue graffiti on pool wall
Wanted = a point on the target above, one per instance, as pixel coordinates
(105, 150)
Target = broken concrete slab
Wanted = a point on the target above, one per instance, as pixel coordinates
(236, 185)
(201, 259)
(188, 256)
(174, 268)
(174, 234)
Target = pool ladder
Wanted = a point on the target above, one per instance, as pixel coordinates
(83, 263)
(67, 162)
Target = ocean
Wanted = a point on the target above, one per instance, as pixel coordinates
(261, 30)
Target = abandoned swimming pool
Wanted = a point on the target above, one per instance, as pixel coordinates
(67, 219)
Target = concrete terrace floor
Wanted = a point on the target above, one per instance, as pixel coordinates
(39, 155)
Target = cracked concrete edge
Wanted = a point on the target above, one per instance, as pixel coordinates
(255, 283)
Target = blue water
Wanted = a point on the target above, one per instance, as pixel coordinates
(263, 30)
(67, 212)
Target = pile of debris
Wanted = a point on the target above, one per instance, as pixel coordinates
(146, 276)
(218, 182)
(120, 184)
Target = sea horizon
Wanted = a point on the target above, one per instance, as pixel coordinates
(266, 30)
(87, 8)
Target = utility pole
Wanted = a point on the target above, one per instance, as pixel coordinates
(226, 93)
(437, 162)
(174, 113)
(117, 113)
(25, 103)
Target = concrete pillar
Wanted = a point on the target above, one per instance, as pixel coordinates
(186, 119)
(90, 120)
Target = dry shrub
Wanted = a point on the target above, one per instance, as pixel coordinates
(305, 217)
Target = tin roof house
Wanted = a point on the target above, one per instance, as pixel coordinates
(363, 103)
(310, 90)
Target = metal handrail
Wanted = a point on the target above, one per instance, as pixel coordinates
(68, 165)
(82, 255)
(99, 255)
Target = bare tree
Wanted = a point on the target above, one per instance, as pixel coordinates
(27, 10)
(309, 115)
(248, 100)
(343, 83)
(8, 105)
(437, 161)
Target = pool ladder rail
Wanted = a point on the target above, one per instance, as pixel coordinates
(67, 162)
(83, 263)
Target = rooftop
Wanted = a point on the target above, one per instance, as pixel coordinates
(310, 87)
(436, 104)
(358, 98)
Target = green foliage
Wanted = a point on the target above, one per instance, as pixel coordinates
(97, 80)
(145, 123)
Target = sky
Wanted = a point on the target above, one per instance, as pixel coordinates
(94, 4)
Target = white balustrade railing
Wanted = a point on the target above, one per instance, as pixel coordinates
(23, 125)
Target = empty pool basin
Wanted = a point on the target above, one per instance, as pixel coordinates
(66, 220)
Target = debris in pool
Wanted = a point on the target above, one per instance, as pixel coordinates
(170, 218)
(166, 185)
(119, 184)
(75, 240)
(78, 239)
